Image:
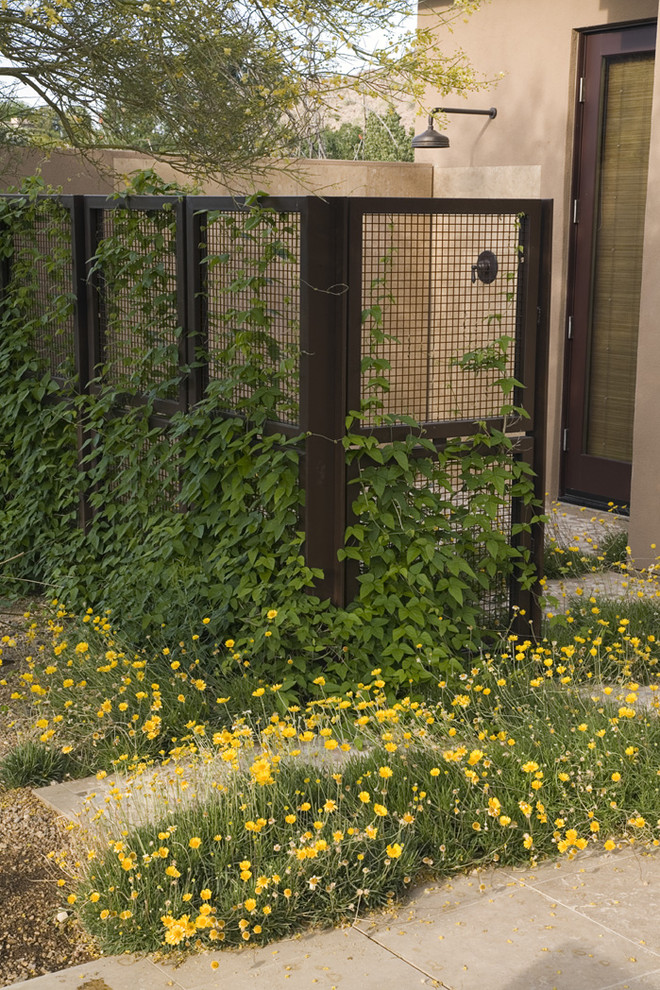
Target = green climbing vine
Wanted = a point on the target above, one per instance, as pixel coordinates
(199, 514)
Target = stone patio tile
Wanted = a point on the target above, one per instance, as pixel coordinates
(517, 939)
(68, 797)
(622, 894)
(60, 798)
(112, 973)
(341, 958)
(587, 859)
(452, 894)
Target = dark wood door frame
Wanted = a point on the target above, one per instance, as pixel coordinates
(583, 478)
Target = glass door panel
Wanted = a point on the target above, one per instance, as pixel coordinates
(617, 256)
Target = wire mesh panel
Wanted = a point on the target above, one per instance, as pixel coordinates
(42, 264)
(419, 271)
(449, 303)
(162, 296)
(136, 270)
(253, 303)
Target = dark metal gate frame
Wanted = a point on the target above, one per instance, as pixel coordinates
(330, 370)
(331, 291)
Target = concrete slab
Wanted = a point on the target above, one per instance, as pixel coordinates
(445, 897)
(621, 894)
(335, 960)
(647, 696)
(515, 938)
(114, 973)
(577, 524)
(649, 982)
(134, 799)
(606, 584)
(342, 958)
(69, 798)
(593, 855)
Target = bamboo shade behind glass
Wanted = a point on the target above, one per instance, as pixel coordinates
(617, 259)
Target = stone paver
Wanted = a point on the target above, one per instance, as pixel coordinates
(341, 958)
(571, 524)
(621, 893)
(69, 797)
(115, 973)
(552, 931)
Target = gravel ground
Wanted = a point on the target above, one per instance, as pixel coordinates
(32, 940)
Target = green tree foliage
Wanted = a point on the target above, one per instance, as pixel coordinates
(15, 122)
(344, 143)
(382, 138)
(386, 139)
(217, 84)
(23, 124)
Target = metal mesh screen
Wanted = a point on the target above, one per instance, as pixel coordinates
(138, 320)
(418, 268)
(43, 264)
(253, 284)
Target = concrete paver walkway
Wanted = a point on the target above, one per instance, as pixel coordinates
(592, 923)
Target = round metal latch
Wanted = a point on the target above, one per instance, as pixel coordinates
(486, 268)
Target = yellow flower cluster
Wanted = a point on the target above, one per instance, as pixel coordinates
(523, 748)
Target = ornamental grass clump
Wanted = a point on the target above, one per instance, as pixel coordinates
(97, 701)
(32, 764)
(601, 545)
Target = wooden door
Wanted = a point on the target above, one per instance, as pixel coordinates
(607, 217)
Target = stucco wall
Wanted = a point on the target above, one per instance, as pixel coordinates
(105, 172)
(66, 169)
(314, 177)
(527, 150)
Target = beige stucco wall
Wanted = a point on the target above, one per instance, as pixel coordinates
(66, 169)
(316, 177)
(106, 171)
(527, 151)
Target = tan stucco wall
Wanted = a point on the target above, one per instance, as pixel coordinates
(527, 150)
(66, 169)
(314, 177)
(492, 181)
(105, 172)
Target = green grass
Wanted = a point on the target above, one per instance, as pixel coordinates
(563, 560)
(34, 764)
